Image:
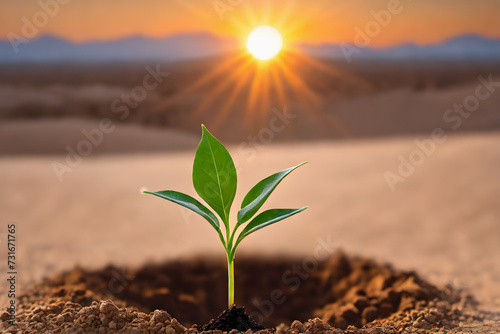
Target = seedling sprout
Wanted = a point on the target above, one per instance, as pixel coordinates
(214, 179)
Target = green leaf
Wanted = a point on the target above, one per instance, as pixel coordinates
(264, 219)
(214, 175)
(190, 203)
(260, 193)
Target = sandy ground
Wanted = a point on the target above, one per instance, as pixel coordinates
(442, 221)
(330, 102)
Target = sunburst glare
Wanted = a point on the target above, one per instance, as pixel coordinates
(264, 42)
(266, 73)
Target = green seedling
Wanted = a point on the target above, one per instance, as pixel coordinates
(214, 179)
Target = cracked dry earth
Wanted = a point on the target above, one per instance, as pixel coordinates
(340, 295)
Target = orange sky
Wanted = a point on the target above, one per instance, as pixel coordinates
(316, 21)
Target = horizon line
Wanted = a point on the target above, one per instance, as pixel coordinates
(234, 39)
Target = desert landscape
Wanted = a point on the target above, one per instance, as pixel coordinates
(345, 155)
(382, 185)
(359, 100)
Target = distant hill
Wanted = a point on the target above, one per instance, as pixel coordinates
(49, 48)
(464, 47)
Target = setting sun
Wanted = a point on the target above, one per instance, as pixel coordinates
(264, 42)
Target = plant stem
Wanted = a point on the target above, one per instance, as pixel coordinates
(230, 242)
(230, 281)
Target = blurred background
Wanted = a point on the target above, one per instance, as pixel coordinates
(395, 104)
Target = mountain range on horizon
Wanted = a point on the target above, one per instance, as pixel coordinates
(462, 47)
(50, 48)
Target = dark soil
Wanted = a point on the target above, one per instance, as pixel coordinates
(233, 318)
(282, 295)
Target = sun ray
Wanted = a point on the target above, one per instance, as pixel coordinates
(221, 70)
(334, 124)
(238, 89)
(267, 12)
(285, 13)
(322, 66)
(297, 82)
(254, 93)
(241, 88)
(263, 98)
(220, 87)
(277, 85)
(299, 23)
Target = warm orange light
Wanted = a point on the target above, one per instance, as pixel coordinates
(265, 42)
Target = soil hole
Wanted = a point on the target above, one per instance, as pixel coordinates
(341, 290)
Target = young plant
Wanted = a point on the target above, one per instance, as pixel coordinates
(214, 179)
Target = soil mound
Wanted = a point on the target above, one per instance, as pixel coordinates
(233, 318)
(340, 293)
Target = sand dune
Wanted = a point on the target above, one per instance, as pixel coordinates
(395, 112)
(328, 99)
(54, 136)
